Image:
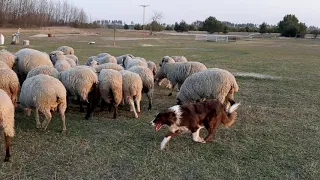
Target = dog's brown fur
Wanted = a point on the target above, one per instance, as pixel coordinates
(208, 114)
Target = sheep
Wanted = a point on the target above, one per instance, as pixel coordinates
(178, 72)
(7, 121)
(209, 84)
(106, 59)
(7, 58)
(59, 55)
(44, 70)
(140, 58)
(179, 58)
(147, 81)
(9, 82)
(44, 93)
(103, 54)
(28, 59)
(74, 58)
(110, 86)
(128, 63)
(90, 59)
(131, 89)
(98, 68)
(122, 57)
(82, 82)
(66, 49)
(152, 66)
(4, 65)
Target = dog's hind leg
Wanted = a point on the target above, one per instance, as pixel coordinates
(211, 126)
(167, 138)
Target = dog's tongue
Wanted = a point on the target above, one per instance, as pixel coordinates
(157, 127)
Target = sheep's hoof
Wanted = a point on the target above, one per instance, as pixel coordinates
(170, 94)
(38, 126)
(64, 131)
(7, 159)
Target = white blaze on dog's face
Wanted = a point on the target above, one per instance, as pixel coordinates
(167, 117)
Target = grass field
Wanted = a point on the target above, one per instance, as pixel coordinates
(276, 135)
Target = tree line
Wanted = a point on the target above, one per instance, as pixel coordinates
(38, 13)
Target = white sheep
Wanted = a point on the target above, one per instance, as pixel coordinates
(7, 121)
(28, 59)
(9, 82)
(132, 89)
(103, 54)
(44, 70)
(74, 58)
(7, 57)
(153, 67)
(90, 59)
(4, 65)
(44, 93)
(106, 59)
(172, 59)
(128, 63)
(179, 58)
(147, 81)
(82, 82)
(209, 84)
(66, 49)
(178, 72)
(122, 57)
(98, 68)
(59, 55)
(110, 86)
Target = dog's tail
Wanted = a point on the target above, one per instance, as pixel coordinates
(231, 115)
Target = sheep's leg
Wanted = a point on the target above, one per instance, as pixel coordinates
(46, 122)
(27, 112)
(173, 86)
(8, 144)
(80, 103)
(115, 112)
(131, 103)
(137, 100)
(103, 103)
(150, 95)
(38, 124)
(62, 111)
(110, 106)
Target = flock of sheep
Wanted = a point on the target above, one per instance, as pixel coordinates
(49, 81)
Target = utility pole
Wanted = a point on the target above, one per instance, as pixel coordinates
(144, 13)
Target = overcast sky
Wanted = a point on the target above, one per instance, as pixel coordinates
(237, 11)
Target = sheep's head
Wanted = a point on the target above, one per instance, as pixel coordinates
(55, 55)
(166, 59)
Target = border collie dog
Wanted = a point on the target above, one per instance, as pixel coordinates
(194, 116)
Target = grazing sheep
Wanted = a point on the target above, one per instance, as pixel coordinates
(103, 54)
(153, 67)
(9, 82)
(4, 65)
(66, 49)
(131, 89)
(8, 58)
(106, 59)
(6, 121)
(44, 93)
(110, 86)
(147, 81)
(178, 72)
(44, 70)
(28, 59)
(140, 58)
(179, 58)
(209, 84)
(74, 58)
(128, 63)
(98, 68)
(122, 57)
(90, 59)
(59, 55)
(82, 81)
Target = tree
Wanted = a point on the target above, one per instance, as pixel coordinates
(225, 29)
(212, 25)
(125, 26)
(169, 28)
(263, 28)
(155, 24)
(181, 27)
(315, 33)
(290, 26)
(137, 27)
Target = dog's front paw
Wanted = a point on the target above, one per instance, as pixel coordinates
(200, 140)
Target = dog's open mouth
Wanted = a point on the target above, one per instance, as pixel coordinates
(157, 127)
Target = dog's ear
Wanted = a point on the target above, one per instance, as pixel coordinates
(171, 117)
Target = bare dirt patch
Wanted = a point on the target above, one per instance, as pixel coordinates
(255, 75)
